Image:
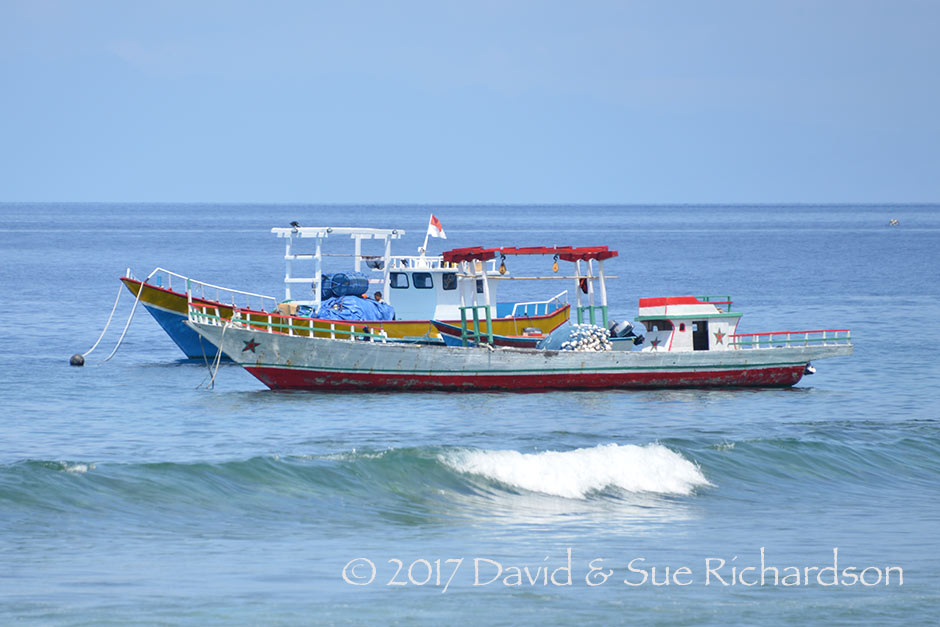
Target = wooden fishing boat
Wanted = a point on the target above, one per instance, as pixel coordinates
(452, 335)
(419, 288)
(689, 342)
(284, 358)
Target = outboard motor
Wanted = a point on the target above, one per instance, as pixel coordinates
(620, 329)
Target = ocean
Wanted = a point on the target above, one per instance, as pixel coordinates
(132, 494)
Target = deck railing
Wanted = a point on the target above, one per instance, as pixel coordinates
(787, 339)
(417, 262)
(285, 325)
(467, 334)
(161, 277)
(592, 314)
(716, 300)
(531, 308)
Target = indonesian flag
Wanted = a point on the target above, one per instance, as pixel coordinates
(435, 229)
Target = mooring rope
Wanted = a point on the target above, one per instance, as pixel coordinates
(218, 357)
(205, 360)
(129, 318)
(107, 324)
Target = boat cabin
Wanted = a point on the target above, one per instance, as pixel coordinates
(687, 323)
(418, 287)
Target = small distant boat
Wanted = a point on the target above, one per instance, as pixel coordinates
(894, 222)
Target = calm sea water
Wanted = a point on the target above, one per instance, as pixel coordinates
(130, 494)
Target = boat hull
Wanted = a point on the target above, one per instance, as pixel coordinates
(304, 363)
(303, 379)
(451, 334)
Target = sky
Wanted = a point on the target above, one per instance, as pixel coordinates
(470, 102)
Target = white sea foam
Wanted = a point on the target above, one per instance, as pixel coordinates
(574, 474)
(77, 468)
(351, 456)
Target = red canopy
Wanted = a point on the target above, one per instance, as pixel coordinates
(568, 253)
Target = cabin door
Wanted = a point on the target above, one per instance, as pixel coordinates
(700, 335)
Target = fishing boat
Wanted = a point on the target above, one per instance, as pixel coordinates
(453, 335)
(418, 288)
(690, 341)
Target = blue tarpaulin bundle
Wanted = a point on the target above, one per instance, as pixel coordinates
(343, 284)
(354, 308)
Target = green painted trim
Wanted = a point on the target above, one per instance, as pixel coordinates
(489, 325)
(463, 326)
(475, 334)
(708, 299)
(592, 309)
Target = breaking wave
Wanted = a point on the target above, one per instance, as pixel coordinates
(423, 483)
(578, 473)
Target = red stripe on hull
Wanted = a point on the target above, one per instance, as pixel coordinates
(297, 379)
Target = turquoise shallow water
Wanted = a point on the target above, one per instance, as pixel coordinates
(128, 495)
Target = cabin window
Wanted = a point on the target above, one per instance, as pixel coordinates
(449, 280)
(398, 280)
(479, 286)
(422, 280)
(657, 325)
(682, 326)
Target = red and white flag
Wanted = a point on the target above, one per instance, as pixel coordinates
(435, 229)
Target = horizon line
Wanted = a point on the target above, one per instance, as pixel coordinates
(480, 204)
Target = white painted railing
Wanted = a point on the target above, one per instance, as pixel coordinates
(788, 339)
(162, 278)
(560, 299)
(285, 325)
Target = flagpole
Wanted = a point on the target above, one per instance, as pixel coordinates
(426, 236)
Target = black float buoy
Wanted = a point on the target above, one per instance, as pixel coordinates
(77, 360)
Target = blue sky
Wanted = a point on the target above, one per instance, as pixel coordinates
(470, 102)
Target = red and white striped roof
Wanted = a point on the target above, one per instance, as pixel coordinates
(678, 306)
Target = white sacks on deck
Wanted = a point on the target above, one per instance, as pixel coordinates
(587, 338)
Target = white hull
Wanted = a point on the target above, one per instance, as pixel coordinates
(293, 362)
